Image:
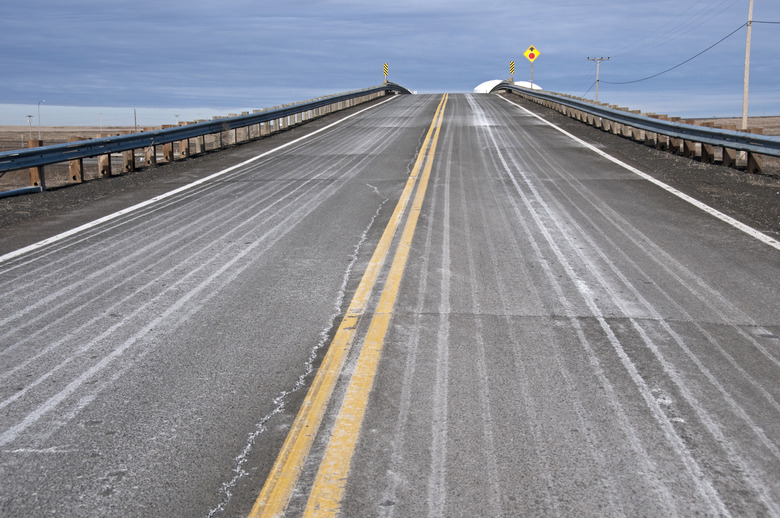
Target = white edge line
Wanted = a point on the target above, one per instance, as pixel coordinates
(128, 210)
(696, 203)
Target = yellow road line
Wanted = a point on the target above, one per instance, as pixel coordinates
(328, 488)
(279, 485)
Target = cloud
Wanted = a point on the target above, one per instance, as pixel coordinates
(240, 52)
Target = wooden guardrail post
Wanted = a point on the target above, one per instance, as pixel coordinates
(689, 146)
(661, 140)
(233, 133)
(76, 166)
(675, 143)
(150, 156)
(754, 161)
(168, 152)
(128, 160)
(635, 134)
(244, 135)
(707, 150)
(729, 156)
(104, 163)
(184, 148)
(37, 175)
(184, 145)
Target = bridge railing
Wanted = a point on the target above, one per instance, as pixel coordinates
(660, 131)
(257, 124)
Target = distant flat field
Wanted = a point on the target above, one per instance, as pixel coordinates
(770, 125)
(16, 137)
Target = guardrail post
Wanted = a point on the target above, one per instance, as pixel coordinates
(707, 150)
(689, 146)
(707, 153)
(104, 163)
(76, 166)
(37, 175)
(636, 134)
(729, 158)
(168, 152)
(675, 143)
(128, 160)
(244, 132)
(150, 155)
(184, 148)
(661, 140)
(689, 149)
(753, 163)
(233, 133)
(258, 127)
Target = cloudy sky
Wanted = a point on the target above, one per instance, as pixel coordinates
(205, 58)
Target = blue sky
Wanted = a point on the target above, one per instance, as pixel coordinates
(202, 58)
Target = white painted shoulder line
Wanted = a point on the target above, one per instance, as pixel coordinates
(92, 224)
(706, 208)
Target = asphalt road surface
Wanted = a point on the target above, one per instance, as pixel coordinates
(474, 313)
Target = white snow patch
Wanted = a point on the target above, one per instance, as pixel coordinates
(487, 86)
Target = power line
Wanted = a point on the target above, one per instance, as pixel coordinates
(680, 64)
(589, 89)
(667, 33)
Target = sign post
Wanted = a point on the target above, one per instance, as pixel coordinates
(385, 70)
(512, 72)
(531, 54)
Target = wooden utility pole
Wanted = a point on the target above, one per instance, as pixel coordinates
(598, 65)
(747, 68)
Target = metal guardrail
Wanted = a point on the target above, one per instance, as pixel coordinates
(738, 140)
(45, 155)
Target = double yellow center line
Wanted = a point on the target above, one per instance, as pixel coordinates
(331, 478)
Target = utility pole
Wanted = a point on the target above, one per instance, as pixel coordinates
(39, 117)
(29, 122)
(598, 65)
(747, 68)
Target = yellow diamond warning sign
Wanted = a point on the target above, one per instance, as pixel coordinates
(532, 53)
